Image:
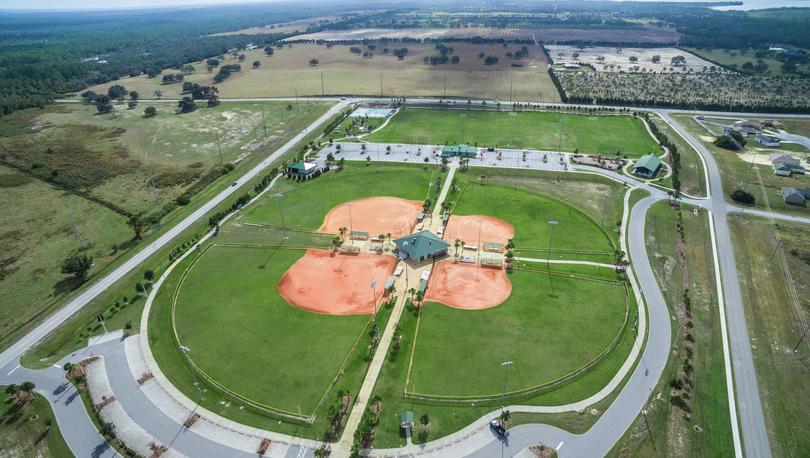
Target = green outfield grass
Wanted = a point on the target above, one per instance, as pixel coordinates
(305, 205)
(294, 354)
(539, 130)
(530, 212)
(545, 337)
(30, 429)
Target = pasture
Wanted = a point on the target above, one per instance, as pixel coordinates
(539, 130)
(288, 72)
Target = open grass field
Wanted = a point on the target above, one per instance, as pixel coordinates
(672, 427)
(295, 354)
(38, 235)
(545, 336)
(734, 59)
(140, 164)
(445, 419)
(539, 130)
(306, 205)
(30, 429)
(774, 328)
(738, 174)
(529, 212)
(288, 71)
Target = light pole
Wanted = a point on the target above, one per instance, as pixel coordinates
(505, 366)
(374, 298)
(185, 351)
(548, 256)
(351, 227)
(281, 209)
(478, 264)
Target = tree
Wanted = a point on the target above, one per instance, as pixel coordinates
(89, 97)
(149, 275)
(242, 57)
(187, 105)
(504, 417)
(212, 63)
(134, 95)
(104, 104)
(132, 104)
(137, 224)
(634, 59)
(678, 60)
(656, 59)
(68, 367)
(412, 292)
(158, 93)
(77, 264)
(213, 101)
(313, 62)
(256, 64)
(13, 391)
(188, 68)
(268, 50)
(149, 112)
(424, 420)
(733, 140)
(116, 91)
(28, 388)
(455, 59)
(743, 197)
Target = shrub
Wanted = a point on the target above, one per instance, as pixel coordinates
(743, 197)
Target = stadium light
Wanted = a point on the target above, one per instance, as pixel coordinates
(548, 256)
(505, 365)
(279, 196)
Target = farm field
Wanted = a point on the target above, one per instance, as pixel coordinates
(306, 205)
(739, 174)
(519, 331)
(529, 213)
(539, 130)
(773, 325)
(734, 59)
(615, 59)
(140, 164)
(38, 236)
(293, 348)
(30, 429)
(288, 72)
(671, 424)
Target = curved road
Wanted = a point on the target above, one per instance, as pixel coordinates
(597, 441)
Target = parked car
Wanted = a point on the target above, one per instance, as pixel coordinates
(496, 427)
(234, 183)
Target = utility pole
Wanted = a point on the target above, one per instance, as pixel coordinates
(76, 230)
(100, 318)
(297, 111)
(510, 88)
(649, 433)
(219, 148)
(281, 209)
(381, 86)
(505, 365)
(323, 92)
(264, 124)
(374, 298)
(445, 85)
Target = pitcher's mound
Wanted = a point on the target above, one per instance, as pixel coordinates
(375, 215)
(336, 285)
(467, 228)
(455, 285)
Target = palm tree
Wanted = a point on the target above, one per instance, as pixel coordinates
(457, 244)
(68, 367)
(342, 232)
(12, 391)
(504, 418)
(412, 292)
(28, 388)
(336, 242)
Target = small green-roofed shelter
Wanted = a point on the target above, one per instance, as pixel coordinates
(302, 169)
(421, 245)
(459, 151)
(647, 166)
(406, 419)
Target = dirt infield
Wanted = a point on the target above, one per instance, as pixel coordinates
(455, 285)
(466, 228)
(335, 285)
(375, 215)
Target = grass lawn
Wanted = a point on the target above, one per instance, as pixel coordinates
(738, 174)
(734, 58)
(140, 164)
(539, 130)
(305, 205)
(774, 328)
(546, 337)
(446, 419)
(295, 353)
(30, 430)
(529, 212)
(693, 175)
(342, 72)
(37, 234)
(672, 427)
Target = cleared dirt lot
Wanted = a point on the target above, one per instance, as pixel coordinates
(615, 59)
(346, 73)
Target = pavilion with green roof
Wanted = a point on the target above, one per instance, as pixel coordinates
(420, 246)
(647, 166)
(459, 151)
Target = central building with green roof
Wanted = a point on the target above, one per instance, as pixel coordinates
(420, 246)
(466, 151)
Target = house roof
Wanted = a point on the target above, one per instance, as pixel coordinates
(649, 162)
(406, 417)
(303, 166)
(791, 191)
(784, 158)
(421, 244)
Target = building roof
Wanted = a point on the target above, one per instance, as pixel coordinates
(303, 166)
(421, 244)
(791, 191)
(459, 149)
(406, 417)
(783, 158)
(649, 162)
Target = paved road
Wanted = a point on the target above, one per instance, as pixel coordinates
(597, 441)
(749, 404)
(15, 351)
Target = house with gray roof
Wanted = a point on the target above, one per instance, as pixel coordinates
(785, 165)
(795, 196)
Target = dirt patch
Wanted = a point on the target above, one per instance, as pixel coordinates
(466, 228)
(375, 215)
(466, 286)
(336, 284)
